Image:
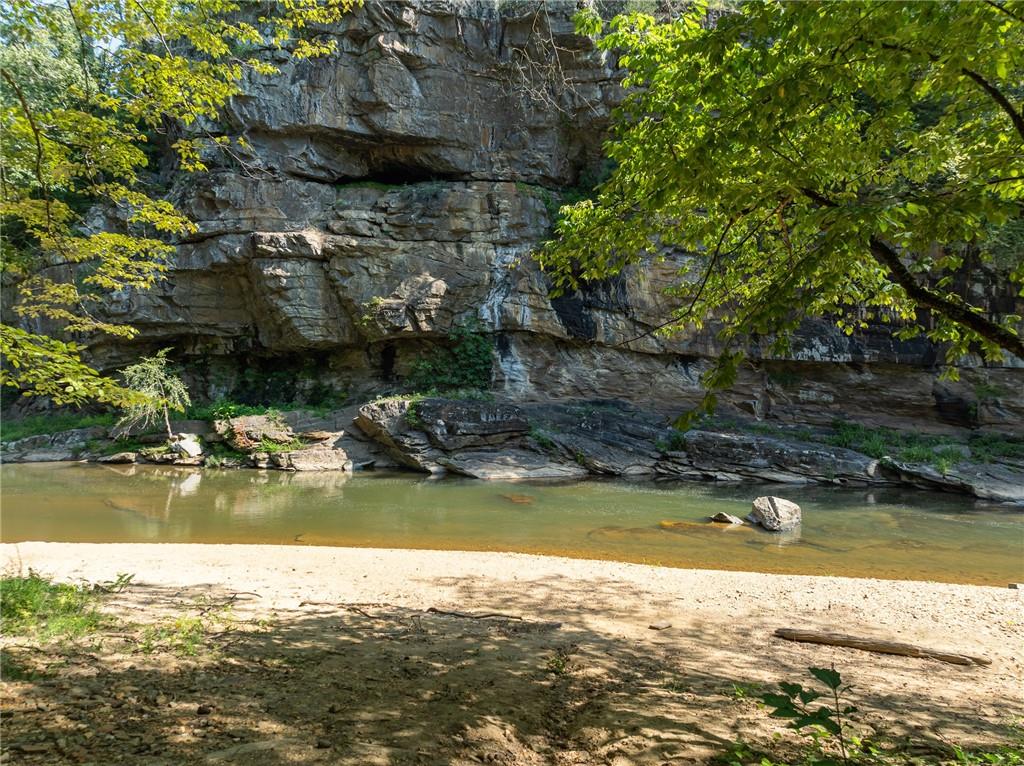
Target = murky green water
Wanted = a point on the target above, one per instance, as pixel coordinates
(890, 534)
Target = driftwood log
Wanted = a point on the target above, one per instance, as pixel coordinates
(878, 646)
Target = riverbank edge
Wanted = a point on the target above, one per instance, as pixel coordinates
(664, 623)
(62, 559)
(485, 439)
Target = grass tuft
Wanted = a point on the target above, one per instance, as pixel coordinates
(34, 605)
(34, 425)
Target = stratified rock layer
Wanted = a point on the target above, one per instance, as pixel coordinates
(399, 186)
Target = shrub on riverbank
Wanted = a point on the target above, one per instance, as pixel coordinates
(33, 605)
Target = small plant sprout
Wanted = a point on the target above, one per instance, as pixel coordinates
(821, 722)
(160, 390)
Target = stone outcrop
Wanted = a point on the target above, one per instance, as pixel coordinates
(733, 457)
(44, 448)
(999, 482)
(316, 458)
(248, 432)
(187, 445)
(399, 186)
(491, 440)
(725, 518)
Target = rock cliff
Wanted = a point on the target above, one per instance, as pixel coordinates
(399, 186)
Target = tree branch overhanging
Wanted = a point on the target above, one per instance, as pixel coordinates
(960, 312)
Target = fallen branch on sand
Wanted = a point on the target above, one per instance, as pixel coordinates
(350, 607)
(878, 646)
(467, 616)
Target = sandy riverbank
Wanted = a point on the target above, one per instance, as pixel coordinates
(602, 686)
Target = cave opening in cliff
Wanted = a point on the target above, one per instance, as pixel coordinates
(401, 174)
(387, 362)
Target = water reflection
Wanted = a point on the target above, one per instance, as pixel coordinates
(879, 533)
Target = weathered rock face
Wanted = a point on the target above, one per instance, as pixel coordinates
(66, 445)
(399, 186)
(733, 457)
(248, 432)
(493, 440)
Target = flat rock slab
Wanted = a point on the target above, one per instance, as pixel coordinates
(514, 464)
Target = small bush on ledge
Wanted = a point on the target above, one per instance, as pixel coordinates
(466, 363)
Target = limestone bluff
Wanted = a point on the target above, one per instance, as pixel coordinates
(401, 184)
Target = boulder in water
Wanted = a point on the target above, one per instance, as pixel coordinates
(775, 514)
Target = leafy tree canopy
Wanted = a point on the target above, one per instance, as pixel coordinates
(86, 86)
(845, 159)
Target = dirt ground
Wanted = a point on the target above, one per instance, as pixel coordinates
(300, 655)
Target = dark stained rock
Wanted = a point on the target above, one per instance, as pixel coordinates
(457, 425)
(734, 457)
(1002, 483)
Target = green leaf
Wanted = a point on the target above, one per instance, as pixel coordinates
(827, 676)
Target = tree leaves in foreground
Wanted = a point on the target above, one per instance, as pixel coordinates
(859, 160)
(87, 87)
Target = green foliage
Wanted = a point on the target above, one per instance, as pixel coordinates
(988, 392)
(33, 425)
(223, 409)
(943, 452)
(987, 448)
(794, 703)
(813, 159)
(673, 442)
(742, 690)
(291, 387)
(160, 388)
(34, 605)
(542, 438)
(1010, 755)
(910, 446)
(182, 635)
(123, 444)
(555, 201)
(834, 742)
(272, 447)
(77, 113)
(466, 362)
(222, 455)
